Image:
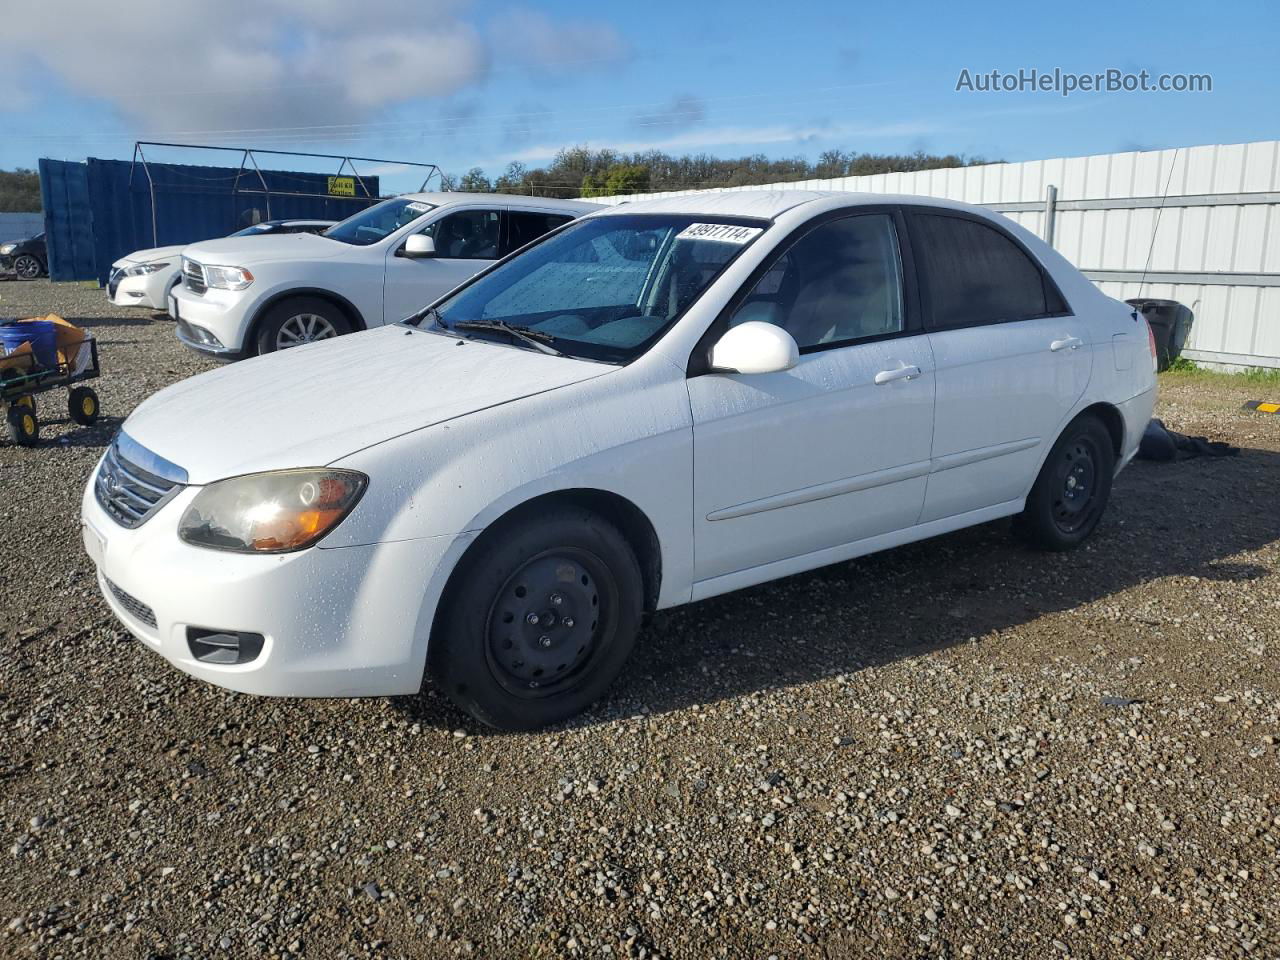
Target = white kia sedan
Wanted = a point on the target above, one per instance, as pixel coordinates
(241, 297)
(654, 404)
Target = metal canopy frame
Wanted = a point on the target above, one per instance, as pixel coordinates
(249, 167)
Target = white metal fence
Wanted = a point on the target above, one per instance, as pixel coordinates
(1205, 216)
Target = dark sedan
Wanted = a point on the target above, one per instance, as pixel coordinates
(28, 259)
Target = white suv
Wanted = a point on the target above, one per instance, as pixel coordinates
(243, 297)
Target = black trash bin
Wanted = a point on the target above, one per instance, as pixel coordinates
(1170, 323)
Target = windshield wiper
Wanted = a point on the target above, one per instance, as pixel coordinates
(426, 313)
(534, 338)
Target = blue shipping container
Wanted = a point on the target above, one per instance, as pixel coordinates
(95, 213)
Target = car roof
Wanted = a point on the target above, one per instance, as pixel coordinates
(770, 204)
(441, 199)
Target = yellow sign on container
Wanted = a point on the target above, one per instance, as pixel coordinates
(342, 186)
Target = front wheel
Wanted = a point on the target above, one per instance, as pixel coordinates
(24, 427)
(298, 321)
(539, 621)
(28, 267)
(1073, 487)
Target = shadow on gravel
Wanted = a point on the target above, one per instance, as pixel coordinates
(1181, 519)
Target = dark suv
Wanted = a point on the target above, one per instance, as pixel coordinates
(26, 258)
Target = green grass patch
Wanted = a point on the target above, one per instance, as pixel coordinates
(1183, 369)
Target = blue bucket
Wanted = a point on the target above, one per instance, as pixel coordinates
(41, 334)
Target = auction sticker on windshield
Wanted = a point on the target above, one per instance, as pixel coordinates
(719, 232)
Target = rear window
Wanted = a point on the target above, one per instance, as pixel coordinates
(973, 274)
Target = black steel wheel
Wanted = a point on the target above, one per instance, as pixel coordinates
(1072, 489)
(538, 620)
(82, 405)
(24, 426)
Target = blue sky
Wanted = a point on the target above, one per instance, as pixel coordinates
(465, 85)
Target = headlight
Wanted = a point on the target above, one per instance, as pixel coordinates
(273, 512)
(142, 269)
(7, 248)
(227, 278)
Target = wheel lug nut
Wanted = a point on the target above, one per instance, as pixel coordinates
(557, 599)
(531, 619)
(568, 622)
(544, 641)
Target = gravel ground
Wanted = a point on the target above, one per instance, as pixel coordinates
(957, 748)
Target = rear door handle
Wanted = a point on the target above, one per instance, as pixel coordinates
(902, 373)
(1073, 343)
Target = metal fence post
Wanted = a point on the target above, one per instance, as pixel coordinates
(1050, 212)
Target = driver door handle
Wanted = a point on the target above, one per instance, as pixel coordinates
(902, 373)
(1073, 343)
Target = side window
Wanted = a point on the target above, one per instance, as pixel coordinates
(524, 228)
(466, 235)
(838, 283)
(974, 274)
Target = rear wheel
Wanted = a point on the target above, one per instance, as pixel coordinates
(23, 425)
(1073, 487)
(539, 621)
(300, 320)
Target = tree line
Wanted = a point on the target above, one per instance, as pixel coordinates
(582, 172)
(19, 191)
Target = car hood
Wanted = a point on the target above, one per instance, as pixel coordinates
(245, 251)
(315, 404)
(146, 256)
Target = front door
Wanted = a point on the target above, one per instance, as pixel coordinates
(466, 241)
(836, 449)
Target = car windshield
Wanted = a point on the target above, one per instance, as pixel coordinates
(257, 228)
(604, 288)
(380, 220)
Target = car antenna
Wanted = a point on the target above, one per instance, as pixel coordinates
(1154, 229)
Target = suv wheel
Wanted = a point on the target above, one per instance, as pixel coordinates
(300, 320)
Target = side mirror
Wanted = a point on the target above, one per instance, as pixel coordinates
(755, 347)
(418, 246)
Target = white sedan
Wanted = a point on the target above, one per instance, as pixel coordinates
(658, 403)
(145, 277)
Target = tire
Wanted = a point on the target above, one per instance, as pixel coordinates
(578, 576)
(27, 400)
(1072, 490)
(83, 406)
(28, 267)
(24, 426)
(300, 320)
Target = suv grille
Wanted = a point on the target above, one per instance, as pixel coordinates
(193, 276)
(137, 609)
(129, 493)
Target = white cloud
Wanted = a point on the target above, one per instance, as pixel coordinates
(729, 136)
(532, 39)
(243, 67)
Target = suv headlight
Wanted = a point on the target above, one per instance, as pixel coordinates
(275, 512)
(227, 278)
(142, 269)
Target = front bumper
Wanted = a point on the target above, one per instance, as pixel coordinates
(150, 290)
(224, 315)
(346, 621)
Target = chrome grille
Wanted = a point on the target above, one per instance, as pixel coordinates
(137, 609)
(113, 283)
(193, 276)
(128, 491)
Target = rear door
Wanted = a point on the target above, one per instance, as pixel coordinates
(526, 226)
(836, 449)
(1012, 360)
(466, 241)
